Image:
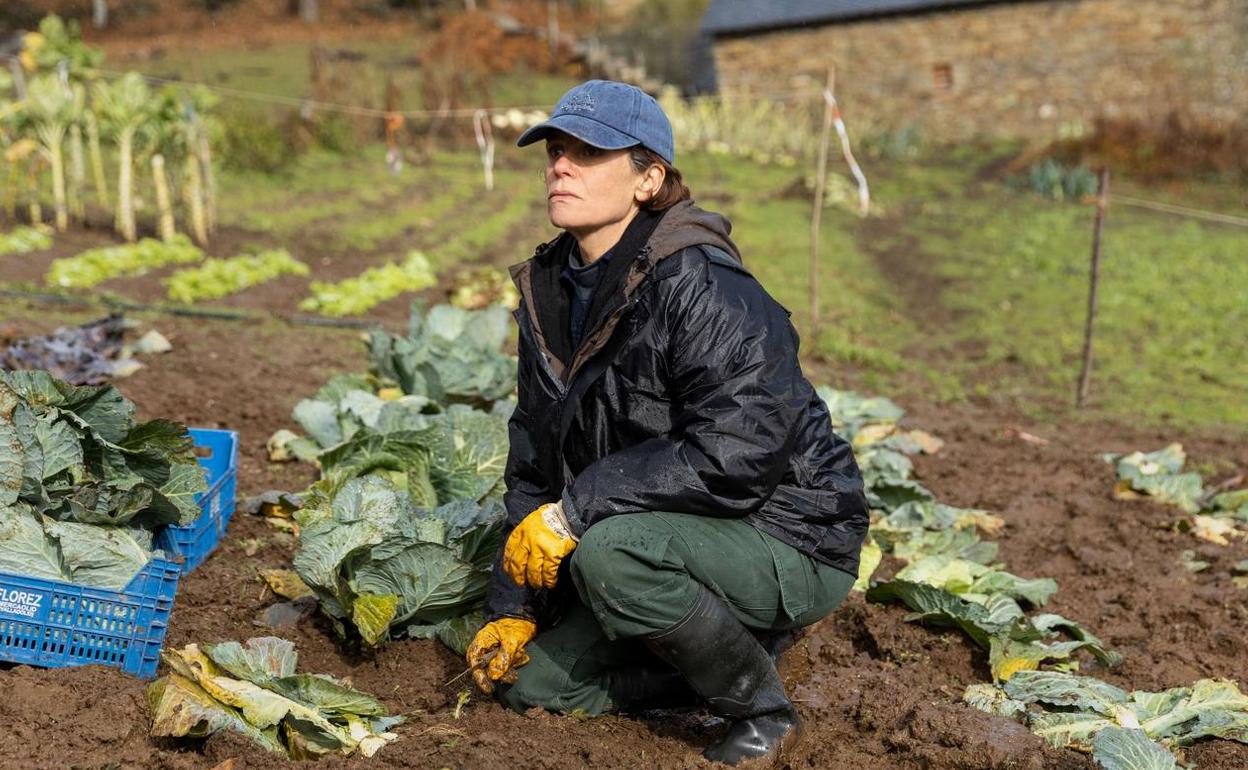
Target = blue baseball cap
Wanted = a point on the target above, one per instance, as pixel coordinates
(609, 115)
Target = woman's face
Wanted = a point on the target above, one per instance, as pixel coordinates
(588, 188)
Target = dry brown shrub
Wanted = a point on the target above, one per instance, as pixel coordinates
(1178, 147)
(470, 47)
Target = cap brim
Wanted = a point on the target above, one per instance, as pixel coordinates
(588, 130)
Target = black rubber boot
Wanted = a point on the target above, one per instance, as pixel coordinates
(642, 688)
(727, 666)
(776, 643)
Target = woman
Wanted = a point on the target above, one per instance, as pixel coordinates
(677, 502)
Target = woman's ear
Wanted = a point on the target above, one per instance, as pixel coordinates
(651, 182)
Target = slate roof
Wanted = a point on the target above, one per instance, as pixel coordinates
(742, 17)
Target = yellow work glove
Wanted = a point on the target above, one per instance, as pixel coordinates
(536, 547)
(505, 638)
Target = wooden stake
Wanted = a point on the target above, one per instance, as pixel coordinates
(821, 179)
(485, 143)
(1102, 202)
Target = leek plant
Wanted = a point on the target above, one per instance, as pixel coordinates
(51, 107)
(124, 105)
(98, 177)
(77, 172)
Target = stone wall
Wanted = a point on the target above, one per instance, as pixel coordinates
(1029, 69)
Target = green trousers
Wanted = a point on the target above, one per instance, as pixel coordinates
(641, 573)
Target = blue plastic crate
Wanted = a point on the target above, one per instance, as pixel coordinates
(54, 624)
(195, 541)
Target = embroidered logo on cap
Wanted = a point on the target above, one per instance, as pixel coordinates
(578, 103)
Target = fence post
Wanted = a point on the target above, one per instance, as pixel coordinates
(1102, 202)
(821, 178)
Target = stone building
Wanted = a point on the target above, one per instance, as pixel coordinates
(960, 68)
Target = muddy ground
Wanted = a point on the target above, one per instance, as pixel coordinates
(876, 692)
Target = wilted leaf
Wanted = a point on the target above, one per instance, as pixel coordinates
(870, 434)
(1061, 729)
(369, 740)
(285, 583)
(1189, 561)
(1059, 689)
(12, 453)
(940, 607)
(372, 614)
(262, 658)
(1158, 474)
(25, 548)
(327, 695)
(1214, 530)
(1035, 591)
(949, 573)
(891, 494)
(868, 562)
(992, 699)
(1118, 749)
(180, 708)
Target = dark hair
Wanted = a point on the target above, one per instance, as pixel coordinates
(673, 190)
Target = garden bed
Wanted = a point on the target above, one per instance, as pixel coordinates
(877, 692)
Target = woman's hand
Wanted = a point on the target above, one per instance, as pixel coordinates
(537, 546)
(498, 650)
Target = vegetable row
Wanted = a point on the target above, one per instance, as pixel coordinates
(59, 114)
(949, 580)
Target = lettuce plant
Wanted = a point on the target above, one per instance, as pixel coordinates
(217, 278)
(95, 266)
(372, 287)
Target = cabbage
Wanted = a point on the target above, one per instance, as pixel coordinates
(82, 485)
(387, 568)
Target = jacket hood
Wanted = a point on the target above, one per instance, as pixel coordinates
(685, 225)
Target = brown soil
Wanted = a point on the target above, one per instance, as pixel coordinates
(876, 692)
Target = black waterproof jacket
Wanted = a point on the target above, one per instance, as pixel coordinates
(685, 396)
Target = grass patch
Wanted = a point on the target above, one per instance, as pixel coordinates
(1169, 340)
